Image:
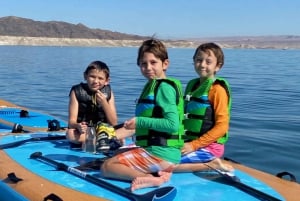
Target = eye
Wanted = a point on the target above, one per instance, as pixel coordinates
(153, 62)
(92, 76)
(143, 64)
(198, 60)
(208, 62)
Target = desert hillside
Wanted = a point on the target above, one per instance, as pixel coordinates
(22, 31)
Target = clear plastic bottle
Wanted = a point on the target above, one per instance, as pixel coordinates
(90, 140)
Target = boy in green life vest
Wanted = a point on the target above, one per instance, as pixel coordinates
(157, 125)
(207, 108)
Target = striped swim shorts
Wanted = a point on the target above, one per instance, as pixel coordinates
(143, 161)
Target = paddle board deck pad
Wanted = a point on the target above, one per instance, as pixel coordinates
(40, 179)
(19, 119)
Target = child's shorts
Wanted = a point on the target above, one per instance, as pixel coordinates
(143, 161)
(199, 156)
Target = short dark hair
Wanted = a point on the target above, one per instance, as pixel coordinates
(98, 65)
(206, 47)
(155, 47)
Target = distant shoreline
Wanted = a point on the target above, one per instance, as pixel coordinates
(234, 43)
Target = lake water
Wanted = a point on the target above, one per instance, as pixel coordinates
(265, 123)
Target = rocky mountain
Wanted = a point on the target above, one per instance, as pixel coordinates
(16, 26)
(22, 31)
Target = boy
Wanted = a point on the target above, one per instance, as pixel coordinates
(207, 113)
(91, 102)
(157, 125)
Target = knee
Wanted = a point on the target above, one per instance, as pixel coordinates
(68, 135)
(104, 168)
(73, 136)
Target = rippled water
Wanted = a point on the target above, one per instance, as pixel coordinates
(265, 123)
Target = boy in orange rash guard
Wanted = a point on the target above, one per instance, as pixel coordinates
(206, 145)
(219, 100)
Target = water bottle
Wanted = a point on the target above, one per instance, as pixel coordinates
(90, 140)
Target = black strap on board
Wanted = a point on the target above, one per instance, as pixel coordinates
(52, 197)
(291, 176)
(12, 177)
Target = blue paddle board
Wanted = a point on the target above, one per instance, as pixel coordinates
(7, 193)
(196, 186)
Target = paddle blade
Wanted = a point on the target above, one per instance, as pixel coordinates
(167, 193)
(235, 181)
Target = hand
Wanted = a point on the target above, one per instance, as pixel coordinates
(130, 124)
(101, 97)
(187, 148)
(82, 127)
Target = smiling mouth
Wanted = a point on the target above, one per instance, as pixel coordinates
(149, 74)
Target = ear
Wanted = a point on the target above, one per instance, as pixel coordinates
(107, 81)
(165, 64)
(218, 67)
(85, 76)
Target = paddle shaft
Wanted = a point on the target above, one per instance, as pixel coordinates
(259, 194)
(235, 181)
(164, 192)
(18, 143)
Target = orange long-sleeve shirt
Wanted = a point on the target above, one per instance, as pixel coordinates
(218, 97)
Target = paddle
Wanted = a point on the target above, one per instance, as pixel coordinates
(235, 181)
(47, 138)
(92, 165)
(160, 194)
(33, 139)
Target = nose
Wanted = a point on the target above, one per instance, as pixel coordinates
(147, 66)
(202, 63)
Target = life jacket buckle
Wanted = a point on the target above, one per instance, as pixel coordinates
(186, 115)
(188, 97)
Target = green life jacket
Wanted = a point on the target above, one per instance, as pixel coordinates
(147, 107)
(199, 113)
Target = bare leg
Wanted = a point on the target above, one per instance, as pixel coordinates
(111, 168)
(194, 167)
(74, 136)
(217, 164)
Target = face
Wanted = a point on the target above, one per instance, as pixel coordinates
(206, 65)
(152, 67)
(96, 79)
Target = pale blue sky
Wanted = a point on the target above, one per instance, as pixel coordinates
(167, 18)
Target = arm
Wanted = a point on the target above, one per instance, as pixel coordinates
(123, 133)
(73, 114)
(166, 99)
(108, 107)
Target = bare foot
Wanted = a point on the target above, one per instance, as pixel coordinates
(217, 164)
(150, 181)
(165, 175)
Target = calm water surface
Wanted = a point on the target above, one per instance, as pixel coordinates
(265, 123)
